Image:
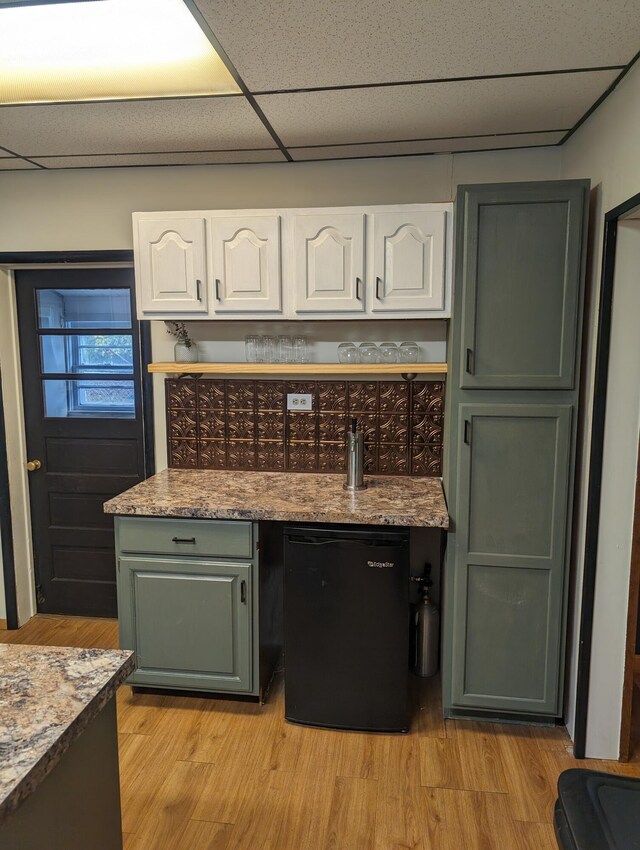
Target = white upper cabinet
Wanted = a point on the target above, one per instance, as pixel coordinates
(245, 252)
(321, 263)
(408, 264)
(328, 261)
(171, 266)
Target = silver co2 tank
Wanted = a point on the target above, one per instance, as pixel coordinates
(427, 632)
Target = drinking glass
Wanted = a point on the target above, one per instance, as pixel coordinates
(347, 353)
(285, 349)
(409, 352)
(388, 352)
(270, 349)
(300, 350)
(252, 349)
(369, 352)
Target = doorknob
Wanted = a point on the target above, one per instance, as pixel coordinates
(34, 465)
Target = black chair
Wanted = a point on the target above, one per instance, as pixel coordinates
(597, 811)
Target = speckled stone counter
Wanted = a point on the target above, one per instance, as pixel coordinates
(48, 696)
(285, 496)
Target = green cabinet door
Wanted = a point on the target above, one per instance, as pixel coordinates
(189, 622)
(519, 267)
(510, 558)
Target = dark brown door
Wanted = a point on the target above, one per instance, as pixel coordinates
(80, 352)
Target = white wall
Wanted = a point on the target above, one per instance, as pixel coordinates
(90, 209)
(606, 149)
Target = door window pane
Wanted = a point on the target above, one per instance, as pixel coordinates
(87, 353)
(84, 308)
(94, 398)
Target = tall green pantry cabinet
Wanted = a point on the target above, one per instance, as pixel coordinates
(509, 472)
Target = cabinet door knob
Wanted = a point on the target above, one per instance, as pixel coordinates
(34, 465)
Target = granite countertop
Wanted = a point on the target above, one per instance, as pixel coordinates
(285, 496)
(48, 695)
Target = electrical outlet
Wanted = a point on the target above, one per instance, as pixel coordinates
(299, 401)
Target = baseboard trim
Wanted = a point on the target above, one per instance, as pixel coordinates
(490, 716)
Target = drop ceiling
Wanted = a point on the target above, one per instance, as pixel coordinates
(358, 78)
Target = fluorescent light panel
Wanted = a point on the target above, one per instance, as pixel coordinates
(106, 50)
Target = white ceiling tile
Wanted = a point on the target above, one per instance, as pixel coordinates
(473, 143)
(197, 158)
(277, 44)
(478, 107)
(13, 163)
(191, 124)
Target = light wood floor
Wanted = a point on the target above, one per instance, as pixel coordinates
(221, 775)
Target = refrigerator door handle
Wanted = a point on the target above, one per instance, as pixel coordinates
(367, 544)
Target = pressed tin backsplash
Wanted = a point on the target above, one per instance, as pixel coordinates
(244, 424)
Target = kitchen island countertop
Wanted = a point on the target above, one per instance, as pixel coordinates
(285, 497)
(48, 696)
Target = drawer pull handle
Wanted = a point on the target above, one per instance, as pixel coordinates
(218, 298)
(198, 293)
(379, 294)
(358, 293)
(183, 539)
(243, 592)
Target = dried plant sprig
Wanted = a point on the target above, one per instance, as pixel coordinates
(180, 332)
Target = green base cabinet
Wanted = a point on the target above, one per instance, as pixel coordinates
(509, 468)
(189, 594)
(190, 622)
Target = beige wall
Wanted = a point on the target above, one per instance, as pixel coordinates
(16, 448)
(606, 149)
(91, 209)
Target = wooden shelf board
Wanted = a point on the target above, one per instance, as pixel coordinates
(300, 368)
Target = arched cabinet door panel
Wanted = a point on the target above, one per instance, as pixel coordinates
(171, 266)
(329, 262)
(408, 261)
(247, 275)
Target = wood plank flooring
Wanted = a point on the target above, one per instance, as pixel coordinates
(223, 775)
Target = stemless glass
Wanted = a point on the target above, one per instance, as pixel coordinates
(388, 352)
(270, 349)
(252, 349)
(347, 353)
(285, 349)
(409, 352)
(369, 352)
(300, 350)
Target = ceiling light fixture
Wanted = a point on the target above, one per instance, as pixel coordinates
(106, 50)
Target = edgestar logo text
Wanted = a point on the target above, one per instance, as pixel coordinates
(381, 565)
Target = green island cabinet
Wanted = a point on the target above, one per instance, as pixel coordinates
(512, 400)
(199, 602)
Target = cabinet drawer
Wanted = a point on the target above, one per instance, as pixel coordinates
(218, 538)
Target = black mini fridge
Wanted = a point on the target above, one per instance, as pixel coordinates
(346, 620)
